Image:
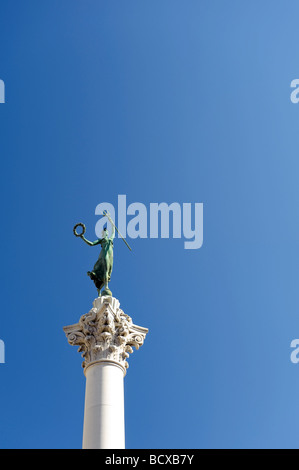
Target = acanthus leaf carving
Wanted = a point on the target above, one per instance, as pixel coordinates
(105, 333)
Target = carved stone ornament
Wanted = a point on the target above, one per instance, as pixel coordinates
(105, 333)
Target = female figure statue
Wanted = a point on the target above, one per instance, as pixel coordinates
(102, 270)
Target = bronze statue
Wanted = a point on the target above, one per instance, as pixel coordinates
(102, 269)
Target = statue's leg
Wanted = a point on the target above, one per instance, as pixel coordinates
(106, 290)
(105, 277)
(99, 286)
(106, 281)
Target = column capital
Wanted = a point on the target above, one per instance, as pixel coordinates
(105, 333)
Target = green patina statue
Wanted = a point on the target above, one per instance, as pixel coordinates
(102, 270)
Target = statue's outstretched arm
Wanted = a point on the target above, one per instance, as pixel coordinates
(96, 242)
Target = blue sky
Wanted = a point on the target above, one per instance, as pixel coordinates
(164, 101)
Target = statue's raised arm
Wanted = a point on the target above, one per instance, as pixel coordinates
(81, 235)
(96, 242)
(112, 225)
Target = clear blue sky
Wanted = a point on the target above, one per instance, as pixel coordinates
(164, 101)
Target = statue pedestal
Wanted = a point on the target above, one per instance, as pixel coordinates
(105, 336)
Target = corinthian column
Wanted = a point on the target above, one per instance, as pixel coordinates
(106, 337)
